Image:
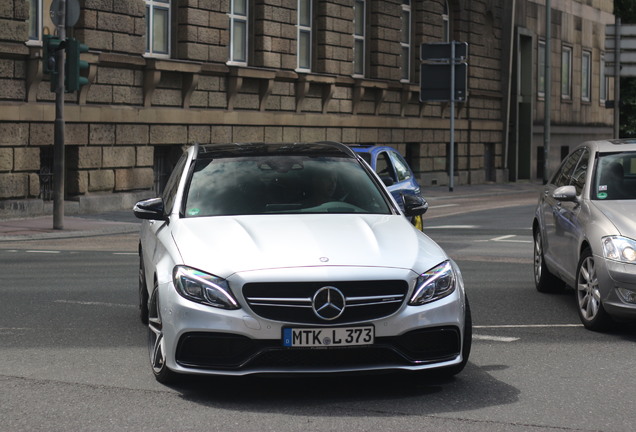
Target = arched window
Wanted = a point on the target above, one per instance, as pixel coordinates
(446, 23)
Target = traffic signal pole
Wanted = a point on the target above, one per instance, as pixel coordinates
(58, 143)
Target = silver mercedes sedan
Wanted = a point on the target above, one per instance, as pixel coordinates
(585, 232)
(293, 258)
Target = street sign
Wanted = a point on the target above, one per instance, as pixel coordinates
(626, 49)
(435, 82)
(442, 51)
(72, 12)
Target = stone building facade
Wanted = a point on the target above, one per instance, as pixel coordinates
(168, 73)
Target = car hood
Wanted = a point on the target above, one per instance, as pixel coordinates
(620, 213)
(224, 245)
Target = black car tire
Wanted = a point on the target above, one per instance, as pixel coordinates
(544, 280)
(156, 349)
(143, 291)
(588, 297)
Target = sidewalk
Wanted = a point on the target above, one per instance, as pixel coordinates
(124, 222)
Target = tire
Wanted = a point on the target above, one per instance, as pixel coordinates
(143, 291)
(544, 281)
(156, 342)
(588, 295)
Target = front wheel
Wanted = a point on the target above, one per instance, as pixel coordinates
(156, 342)
(588, 295)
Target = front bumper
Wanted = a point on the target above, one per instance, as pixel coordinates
(612, 277)
(204, 340)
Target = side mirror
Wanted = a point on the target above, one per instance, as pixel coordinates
(151, 209)
(414, 205)
(565, 194)
(388, 181)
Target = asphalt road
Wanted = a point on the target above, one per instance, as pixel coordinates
(73, 354)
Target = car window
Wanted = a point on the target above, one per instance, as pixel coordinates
(615, 176)
(401, 167)
(580, 172)
(170, 192)
(384, 167)
(282, 184)
(564, 174)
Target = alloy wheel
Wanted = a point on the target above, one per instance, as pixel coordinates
(156, 347)
(587, 290)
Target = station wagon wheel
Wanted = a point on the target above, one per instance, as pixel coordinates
(588, 295)
(143, 291)
(544, 281)
(156, 342)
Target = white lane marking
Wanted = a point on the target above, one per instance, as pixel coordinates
(495, 338)
(526, 326)
(125, 253)
(443, 205)
(43, 251)
(507, 238)
(450, 227)
(86, 303)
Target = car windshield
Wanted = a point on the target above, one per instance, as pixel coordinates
(615, 176)
(276, 184)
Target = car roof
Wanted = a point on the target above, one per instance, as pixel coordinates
(323, 148)
(613, 145)
(371, 148)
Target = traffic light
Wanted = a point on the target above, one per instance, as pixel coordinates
(75, 66)
(51, 45)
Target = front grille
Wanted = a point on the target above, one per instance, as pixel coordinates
(292, 302)
(224, 351)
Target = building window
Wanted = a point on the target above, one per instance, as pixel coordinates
(602, 85)
(446, 23)
(35, 20)
(405, 40)
(239, 12)
(304, 35)
(158, 28)
(586, 75)
(359, 35)
(541, 70)
(566, 73)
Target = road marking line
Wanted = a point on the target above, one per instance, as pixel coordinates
(443, 205)
(507, 238)
(527, 326)
(125, 253)
(495, 338)
(451, 227)
(43, 251)
(86, 303)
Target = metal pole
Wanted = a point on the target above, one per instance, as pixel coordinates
(58, 144)
(617, 78)
(451, 174)
(548, 91)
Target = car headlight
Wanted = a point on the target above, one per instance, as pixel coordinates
(203, 288)
(621, 249)
(434, 284)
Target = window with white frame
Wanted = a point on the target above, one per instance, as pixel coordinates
(359, 37)
(586, 75)
(304, 34)
(35, 20)
(566, 72)
(541, 69)
(602, 85)
(405, 40)
(239, 13)
(158, 28)
(446, 23)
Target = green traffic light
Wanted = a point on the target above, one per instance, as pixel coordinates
(75, 66)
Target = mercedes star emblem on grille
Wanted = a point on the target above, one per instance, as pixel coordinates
(328, 303)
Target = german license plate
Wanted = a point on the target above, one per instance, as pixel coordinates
(328, 337)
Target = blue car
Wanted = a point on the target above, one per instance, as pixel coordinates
(393, 170)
